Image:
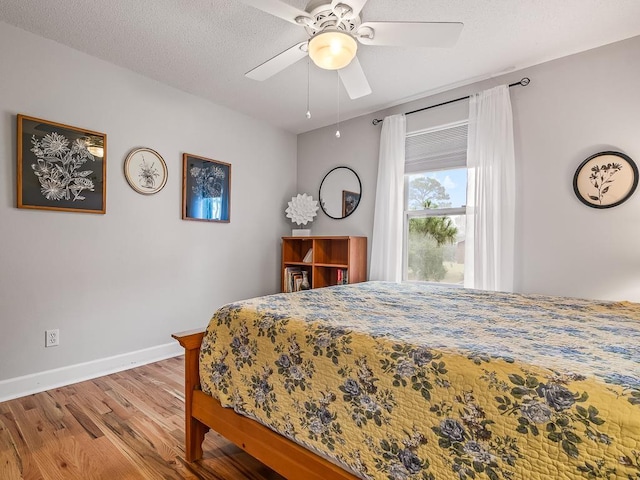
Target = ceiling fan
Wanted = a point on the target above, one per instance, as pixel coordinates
(335, 29)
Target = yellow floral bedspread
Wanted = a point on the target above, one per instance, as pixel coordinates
(418, 381)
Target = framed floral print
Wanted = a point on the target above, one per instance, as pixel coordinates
(145, 171)
(206, 189)
(605, 180)
(60, 167)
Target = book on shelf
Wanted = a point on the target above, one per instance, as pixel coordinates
(342, 275)
(308, 257)
(293, 279)
(289, 278)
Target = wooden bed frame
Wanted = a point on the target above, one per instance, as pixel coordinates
(203, 412)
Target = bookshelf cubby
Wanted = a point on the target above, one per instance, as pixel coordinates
(333, 258)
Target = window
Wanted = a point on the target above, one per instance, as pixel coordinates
(435, 204)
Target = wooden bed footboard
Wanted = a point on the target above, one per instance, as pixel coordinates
(194, 429)
(203, 412)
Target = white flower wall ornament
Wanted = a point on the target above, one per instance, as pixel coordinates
(302, 209)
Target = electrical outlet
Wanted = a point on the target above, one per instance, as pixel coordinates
(52, 338)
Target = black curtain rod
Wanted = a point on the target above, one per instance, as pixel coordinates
(524, 82)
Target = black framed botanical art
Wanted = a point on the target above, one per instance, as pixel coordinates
(60, 167)
(605, 180)
(206, 189)
(145, 171)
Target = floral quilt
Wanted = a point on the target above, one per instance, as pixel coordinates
(415, 381)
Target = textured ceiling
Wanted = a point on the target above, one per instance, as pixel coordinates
(205, 46)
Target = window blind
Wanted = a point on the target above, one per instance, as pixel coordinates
(436, 149)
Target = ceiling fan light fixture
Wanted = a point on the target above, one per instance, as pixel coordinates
(332, 50)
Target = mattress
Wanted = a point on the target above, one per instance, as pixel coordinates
(416, 381)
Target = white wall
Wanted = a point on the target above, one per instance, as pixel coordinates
(125, 281)
(574, 107)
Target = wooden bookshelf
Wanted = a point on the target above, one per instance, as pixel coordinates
(330, 254)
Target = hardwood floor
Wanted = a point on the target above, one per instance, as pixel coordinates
(129, 425)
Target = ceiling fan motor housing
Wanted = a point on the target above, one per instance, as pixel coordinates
(324, 17)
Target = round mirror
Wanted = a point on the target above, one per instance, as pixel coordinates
(340, 192)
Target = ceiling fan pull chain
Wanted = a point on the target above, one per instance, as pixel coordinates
(308, 114)
(338, 84)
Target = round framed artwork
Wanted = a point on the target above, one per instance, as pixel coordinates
(605, 180)
(145, 170)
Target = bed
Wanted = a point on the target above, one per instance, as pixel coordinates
(415, 381)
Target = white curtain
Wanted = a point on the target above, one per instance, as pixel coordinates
(489, 255)
(386, 245)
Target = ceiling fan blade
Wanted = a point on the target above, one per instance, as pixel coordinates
(278, 9)
(278, 63)
(354, 80)
(410, 34)
(356, 6)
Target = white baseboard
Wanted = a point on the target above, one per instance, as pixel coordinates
(59, 377)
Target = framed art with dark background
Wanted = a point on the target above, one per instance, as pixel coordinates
(206, 189)
(60, 167)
